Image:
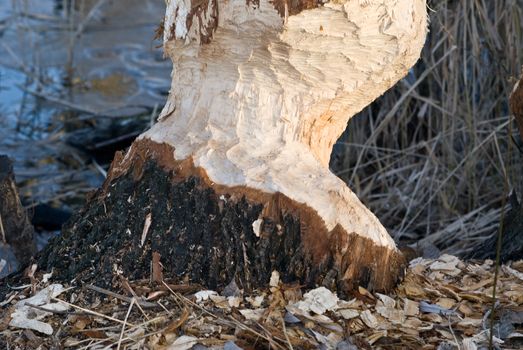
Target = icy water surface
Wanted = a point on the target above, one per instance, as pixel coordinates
(69, 65)
(78, 79)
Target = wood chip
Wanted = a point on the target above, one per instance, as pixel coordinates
(369, 319)
(411, 308)
(146, 226)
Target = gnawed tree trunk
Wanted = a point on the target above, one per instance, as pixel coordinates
(233, 181)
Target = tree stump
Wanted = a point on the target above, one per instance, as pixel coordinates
(15, 227)
(232, 182)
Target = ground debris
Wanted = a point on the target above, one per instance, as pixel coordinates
(29, 312)
(442, 303)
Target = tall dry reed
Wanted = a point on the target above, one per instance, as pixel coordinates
(429, 156)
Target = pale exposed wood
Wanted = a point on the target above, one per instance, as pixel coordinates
(264, 101)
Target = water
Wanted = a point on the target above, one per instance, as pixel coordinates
(74, 69)
(66, 65)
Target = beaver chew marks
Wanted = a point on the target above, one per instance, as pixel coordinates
(204, 232)
(233, 180)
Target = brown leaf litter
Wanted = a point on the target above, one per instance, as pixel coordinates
(441, 304)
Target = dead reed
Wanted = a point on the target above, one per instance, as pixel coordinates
(429, 156)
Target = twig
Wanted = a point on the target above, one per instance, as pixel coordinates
(21, 66)
(90, 15)
(285, 333)
(100, 169)
(59, 101)
(182, 288)
(59, 312)
(165, 309)
(116, 139)
(142, 303)
(127, 286)
(93, 343)
(79, 342)
(40, 17)
(128, 330)
(22, 287)
(90, 311)
(452, 332)
(498, 245)
(125, 322)
(4, 240)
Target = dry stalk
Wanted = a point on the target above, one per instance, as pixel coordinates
(92, 312)
(429, 156)
(125, 323)
(142, 303)
(2, 232)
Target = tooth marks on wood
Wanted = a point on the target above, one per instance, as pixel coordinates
(289, 7)
(293, 7)
(206, 11)
(204, 233)
(191, 20)
(198, 19)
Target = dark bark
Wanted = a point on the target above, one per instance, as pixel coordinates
(198, 236)
(512, 240)
(15, 227)
(47, 218)
(204, 234)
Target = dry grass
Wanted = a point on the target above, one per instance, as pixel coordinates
(429, 157)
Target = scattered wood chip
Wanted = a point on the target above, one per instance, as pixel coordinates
(146, 226)
(435, 307)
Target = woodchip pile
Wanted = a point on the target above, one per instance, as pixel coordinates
(442, 303)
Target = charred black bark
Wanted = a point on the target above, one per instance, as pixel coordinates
(154, 205)
(201, 236)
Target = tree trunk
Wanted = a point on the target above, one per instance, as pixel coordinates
(15, 228)
(233, 180)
